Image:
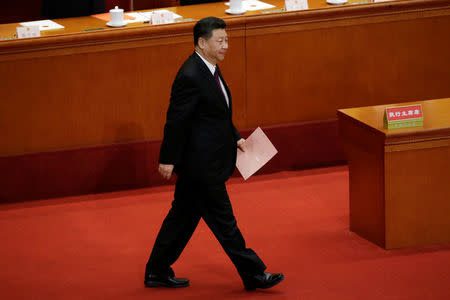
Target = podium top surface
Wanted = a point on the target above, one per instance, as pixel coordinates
(436, 119)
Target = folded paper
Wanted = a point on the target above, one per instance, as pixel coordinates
(259, 150)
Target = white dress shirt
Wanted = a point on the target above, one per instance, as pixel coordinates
(212, 68)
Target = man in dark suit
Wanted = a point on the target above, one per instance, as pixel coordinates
(200, 144)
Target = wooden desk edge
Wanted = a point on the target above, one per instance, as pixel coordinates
(263, 20)
(389, 7)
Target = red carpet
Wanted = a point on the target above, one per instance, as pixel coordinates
(96, 247)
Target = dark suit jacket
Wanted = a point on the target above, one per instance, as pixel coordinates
(199, 135)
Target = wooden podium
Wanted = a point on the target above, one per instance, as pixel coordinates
(399, 179)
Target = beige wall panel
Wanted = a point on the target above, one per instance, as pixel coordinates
(97, 98)
(309, 73)
(85, 99)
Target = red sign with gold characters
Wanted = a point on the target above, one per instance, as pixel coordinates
(403, 116)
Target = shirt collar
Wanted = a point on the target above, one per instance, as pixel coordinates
(210, 66)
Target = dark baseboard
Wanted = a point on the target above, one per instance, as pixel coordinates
(133, 165)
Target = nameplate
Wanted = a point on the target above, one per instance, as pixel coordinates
(28, 32)
(93, 29)
(162, 17)
(292, 5)
(273, 11)
(184, 20)
(403, 116)
(360, 2)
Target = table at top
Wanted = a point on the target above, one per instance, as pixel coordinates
(195, 12)
(436, 119)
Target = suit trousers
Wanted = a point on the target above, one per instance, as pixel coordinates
(192, 201)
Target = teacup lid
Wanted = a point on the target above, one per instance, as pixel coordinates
(116, 9)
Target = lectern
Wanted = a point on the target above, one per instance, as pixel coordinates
(399, 179)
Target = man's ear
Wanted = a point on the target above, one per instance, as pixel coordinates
(201, 43)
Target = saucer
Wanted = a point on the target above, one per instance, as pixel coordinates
(336, 2)
(237, 12)
(116, 25)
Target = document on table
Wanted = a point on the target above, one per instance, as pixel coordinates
(43, 24)
(259, 150)
(107, 17)
(252, 5)
(137, 17)
(147, 15)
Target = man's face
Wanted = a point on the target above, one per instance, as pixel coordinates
(216, 46)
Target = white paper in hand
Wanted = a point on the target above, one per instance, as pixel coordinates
(259, 150)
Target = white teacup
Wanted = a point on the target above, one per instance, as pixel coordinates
(116, 16)
(235, 6)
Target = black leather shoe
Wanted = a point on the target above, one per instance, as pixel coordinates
(262, 281)
(165, 281)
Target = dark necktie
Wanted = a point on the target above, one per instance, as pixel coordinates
(216, 76)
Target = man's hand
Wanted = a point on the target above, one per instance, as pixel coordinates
(165, 171)
(241, 145)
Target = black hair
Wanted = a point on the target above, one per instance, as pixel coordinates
(205, 27)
